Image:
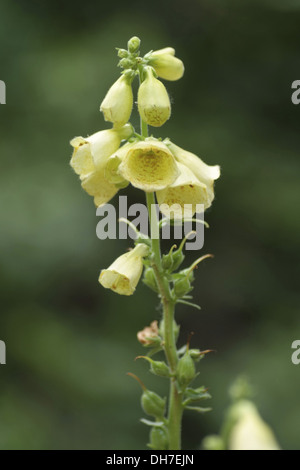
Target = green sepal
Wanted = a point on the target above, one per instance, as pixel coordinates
(197, 394)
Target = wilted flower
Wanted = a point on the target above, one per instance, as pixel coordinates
(89, 159)
(250, 432)
(206, 174)
(166, 65)
(153, 100)
(149, 165)
(125, 272)
(149, 334)
(117, 104)
(180, 198)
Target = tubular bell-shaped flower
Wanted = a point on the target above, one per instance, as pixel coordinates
(89, 160)
(149, 165)
(125, 272)
(90, 152)
(206, 174)
(153, 100)
(166, 65)
(117, 104)
(180, 198)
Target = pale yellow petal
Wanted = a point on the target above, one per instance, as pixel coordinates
(96, 185)
(180, 199)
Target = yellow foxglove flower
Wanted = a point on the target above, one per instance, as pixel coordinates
(89, 160)
(166, 65)
(125, 272)
(206, 174)
(149, 165)
(117, 104)
(250, 432)
(180, 198)
(153, 100)
(90, 152)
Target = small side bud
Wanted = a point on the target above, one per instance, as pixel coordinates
(182, 286)
(185, 370)
(150, 280)
(134, 44)
(122, 53)
(159, 368)
(125, 63)
(153, 404)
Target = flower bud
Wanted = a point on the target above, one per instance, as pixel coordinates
(173, 259)
(159, 368)
(134, 44)
(124, 273)
(185, 370)
(149, 165)
(126, 63)
(117, 104)
(182, 286)
(153, 404)
(153, 100)
(150, 280)
(205, 174)
(158, 439)
(166, 65)
(122, 53)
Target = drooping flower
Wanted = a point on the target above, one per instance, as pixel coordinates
(125, 272)
(153, 100)
(206, 174)
(180, 198)
(166, 65)
(117, 104)
(89, 159)
(149, 165)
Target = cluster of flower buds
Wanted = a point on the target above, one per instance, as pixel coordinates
(154, 405)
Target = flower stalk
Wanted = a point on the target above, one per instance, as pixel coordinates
(107, 162)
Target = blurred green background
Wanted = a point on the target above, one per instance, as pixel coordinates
(70, 342)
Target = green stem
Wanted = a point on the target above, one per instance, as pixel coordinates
(175, 399)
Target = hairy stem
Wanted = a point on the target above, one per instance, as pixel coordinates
(175, 400)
